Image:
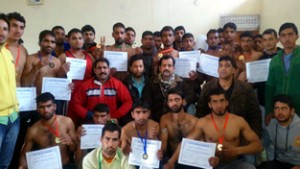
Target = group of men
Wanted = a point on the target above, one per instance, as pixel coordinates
(149, 100)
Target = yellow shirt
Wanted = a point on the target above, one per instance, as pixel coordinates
(120, 161)
(8, 95)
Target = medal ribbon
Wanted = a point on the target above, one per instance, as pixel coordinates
(221, 138)
(55, 132)
(144, 142)
(40, 57)
(166, 51)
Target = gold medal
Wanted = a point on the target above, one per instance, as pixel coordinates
(160, 55)
(145, 156)
(241, 57)
(134, 45)
(51, 64)
(57, 140)
(220, 147)
(98, 46)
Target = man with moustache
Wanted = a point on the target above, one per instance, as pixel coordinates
(130, 36)
(175, 125)
(101, 89)
(60, 40)
(89, 37)
(51, 130)
(149, 50)
(179, 32)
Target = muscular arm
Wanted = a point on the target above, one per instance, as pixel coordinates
(125, 141)
(163, 134)
(64, 68)
(30, 72)
(71, 132)
(27, 146)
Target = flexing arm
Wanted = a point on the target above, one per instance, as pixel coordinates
(27, 146)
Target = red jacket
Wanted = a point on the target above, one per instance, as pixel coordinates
(91, 92)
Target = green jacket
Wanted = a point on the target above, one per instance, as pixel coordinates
(282, 82)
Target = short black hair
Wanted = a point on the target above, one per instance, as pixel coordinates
(135, 58)
(100, 60)
(175, 91)
(157, 34)
(130, 29)
(180, 27)
(257, 36)
(216, 91)
(45, 33)
(288, 25)
(101, 107)
(187, 35)
(87, 28)
(74, 30)
(44, 97)
(166, 57)
(57, 27)
(165, 29)
(246, 34)
(111, 127)
(228, 58)
(140, 103)
(230, 25)
(147, 33)
(271, 32)
(4, 18)
(284, 98)
(17, 16)
(220, 30)
(118, 25)
(214, 31)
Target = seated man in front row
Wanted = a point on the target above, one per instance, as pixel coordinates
(109, 155)
(225, 129)
(284, 134)
(51, 130)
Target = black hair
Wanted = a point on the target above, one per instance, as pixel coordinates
(101, 107)
(140, 103)
(4, 18)
(57, 27)
(44, 97)
(246, 34)
(216, 91)
(220, 30)
(45, 33)
(178, 28)
(118, 25)
(258, 36)
(130, 29)
(166, 57)
(87, 28)
(230, 25)
(288, 25)
(175, 91)
(157, 34)
(284, 98)
(74, 30)
(270, 31)
(146, 33)
(111, 127)
(17, 16)
(100, 60)
(187, 35)
(214, 31)
(228, 58)
(135, 58)
(165, 29)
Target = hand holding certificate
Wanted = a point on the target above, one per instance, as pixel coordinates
(257, 71)
(138, 156)
(26, 98)
(91, 139)
(59, 87)
(118, 60)
(48, 158)
(77, 68)
(196, 153)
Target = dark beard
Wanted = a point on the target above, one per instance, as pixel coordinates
(119, 41)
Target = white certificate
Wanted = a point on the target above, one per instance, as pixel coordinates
(137, 151)
(118, 60)
(59, 87)
(91, 139)
(196, 153)
(48, 158)
(257, 71)
(209, 65)
(26, 98)
(195, 54)
(184, 66)
(77, 68)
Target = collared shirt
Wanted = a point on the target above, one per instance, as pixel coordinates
(120, 161)
(139, 85)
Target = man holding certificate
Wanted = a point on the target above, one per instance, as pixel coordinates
(109, 155)
(49, 132)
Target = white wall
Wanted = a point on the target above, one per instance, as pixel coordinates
(196, 15)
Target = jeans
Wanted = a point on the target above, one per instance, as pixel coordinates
(8, 138)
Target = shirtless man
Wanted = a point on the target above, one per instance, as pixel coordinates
(226, 130)
(167, 37)
(141, 127)
(60, 40)
(17, 25)
(248, 54)
(49, 132)
(41, 64)
(176, 124)
(230, 46)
